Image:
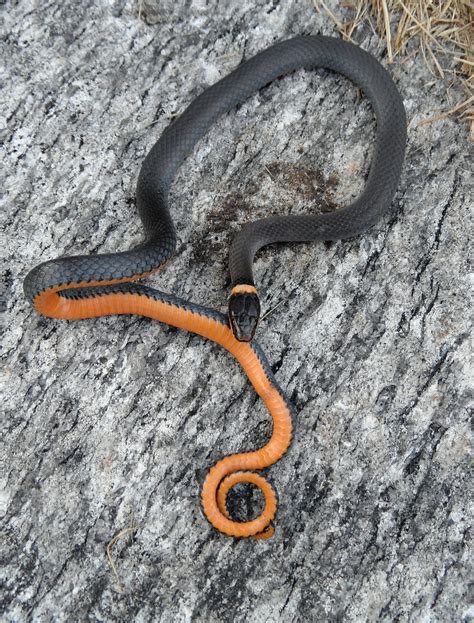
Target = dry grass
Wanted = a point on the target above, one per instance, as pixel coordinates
(442, 31)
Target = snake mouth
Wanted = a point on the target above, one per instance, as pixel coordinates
(244, 313)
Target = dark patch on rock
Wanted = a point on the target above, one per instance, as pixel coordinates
(308, 182)
(221, 225)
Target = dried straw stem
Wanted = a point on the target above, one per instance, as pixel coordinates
(442, 31)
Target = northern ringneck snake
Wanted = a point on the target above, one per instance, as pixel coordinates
(88, 286)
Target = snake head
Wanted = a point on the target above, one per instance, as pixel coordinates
(244, 312)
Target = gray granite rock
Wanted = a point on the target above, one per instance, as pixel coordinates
(112, 424)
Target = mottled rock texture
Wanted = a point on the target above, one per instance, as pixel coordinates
(113, 423)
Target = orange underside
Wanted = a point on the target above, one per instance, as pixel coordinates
(227, 472)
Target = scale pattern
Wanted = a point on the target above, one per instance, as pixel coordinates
(90, 286)
(178, 140)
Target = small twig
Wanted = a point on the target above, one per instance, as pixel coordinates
(268, 171)
(337, 21)
(435, 61)
(148, 125)
(270, 311)
(464, 60)
(120, 535)
(447, 113)
(388, 32)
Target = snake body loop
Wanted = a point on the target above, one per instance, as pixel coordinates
(90, 286)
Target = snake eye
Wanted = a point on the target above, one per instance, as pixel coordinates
(244, 312)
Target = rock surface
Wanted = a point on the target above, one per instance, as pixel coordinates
(112, 424)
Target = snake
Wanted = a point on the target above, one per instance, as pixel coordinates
(88, 286)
